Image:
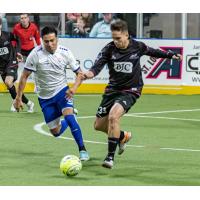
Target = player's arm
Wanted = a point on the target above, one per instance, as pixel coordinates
(37, 36)
(22, 83)
(146, 50)
(101, 60)
(71, 91)
(17, 43)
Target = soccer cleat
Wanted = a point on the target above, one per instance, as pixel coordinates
(83, 155)
(123, 142)
(30, 106)
(108, 162)
(12, 109)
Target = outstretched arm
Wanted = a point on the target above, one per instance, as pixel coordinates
(18, 104)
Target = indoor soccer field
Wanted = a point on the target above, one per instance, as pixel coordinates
(164, 150)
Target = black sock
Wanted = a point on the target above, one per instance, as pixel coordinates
(12, 91)
(121, 137)
(24, 99)
(112, 145)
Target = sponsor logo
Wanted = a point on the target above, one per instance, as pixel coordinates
(4, 51)
(171, 68)
(133, 56)
(193, 63)
(6, 43)
(113, 57)
(125, 67)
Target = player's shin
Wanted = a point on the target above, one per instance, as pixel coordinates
(75, 130)
(63, 127)
(12, 92)
(112, 145)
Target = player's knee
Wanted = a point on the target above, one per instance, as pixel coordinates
(8, 84)
(96, 127)
(113, 119)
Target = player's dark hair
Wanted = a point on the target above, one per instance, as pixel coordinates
(119, 25)
(0, 20)
(48, 30)
(24, 14)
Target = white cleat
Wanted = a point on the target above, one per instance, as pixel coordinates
(30, 106)
(108, 162)
(12, 109)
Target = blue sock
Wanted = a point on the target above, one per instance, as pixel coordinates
(75, 130)
(64, 126)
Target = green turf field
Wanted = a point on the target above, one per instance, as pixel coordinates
(165, 149)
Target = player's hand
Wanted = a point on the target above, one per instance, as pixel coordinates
(19, 57)
(70, 93)
(82, 75)
(18, 104)
(177, 57)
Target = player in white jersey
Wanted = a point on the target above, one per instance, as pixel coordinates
(48, 62)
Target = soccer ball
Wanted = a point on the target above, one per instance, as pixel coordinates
(70, 165)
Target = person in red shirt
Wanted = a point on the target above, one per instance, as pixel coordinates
(28, 33)
(29, 36)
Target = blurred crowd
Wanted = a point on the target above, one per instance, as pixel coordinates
(76, 24)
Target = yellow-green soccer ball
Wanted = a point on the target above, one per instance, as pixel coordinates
(70, 165)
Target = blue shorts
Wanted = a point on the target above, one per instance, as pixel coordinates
(52, 108)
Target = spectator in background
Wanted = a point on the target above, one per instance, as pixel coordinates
(28, 33)
(71, 20)
(4, 22)
(29, 36)
(88, 18)
(83, 25)
(102, 28)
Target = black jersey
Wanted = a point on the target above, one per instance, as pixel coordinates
(124, 65)
(7, 50)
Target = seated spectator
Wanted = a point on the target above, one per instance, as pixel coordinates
(80, 29)
(102, 28)
(88, 18)
(83, 25)
(4, 22)
(71, 20)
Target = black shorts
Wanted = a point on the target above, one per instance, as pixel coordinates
(127, 100)
(10, 71)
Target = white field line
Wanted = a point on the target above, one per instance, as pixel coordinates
(170, 118)
(167, 111)
(38, 128)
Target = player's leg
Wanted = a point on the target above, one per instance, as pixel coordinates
(123, 103)
(126, 101)
(52, 117)
(101, 124)
(9, 77)
(29, 103)
(66, 106)
(113, 133)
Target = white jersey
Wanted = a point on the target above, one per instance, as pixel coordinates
(50, 69)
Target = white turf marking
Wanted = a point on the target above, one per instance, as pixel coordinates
(170, 118)
(167, 111)
(38, 128)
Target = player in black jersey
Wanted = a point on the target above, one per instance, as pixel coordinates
(122, 56)
(9, 58)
